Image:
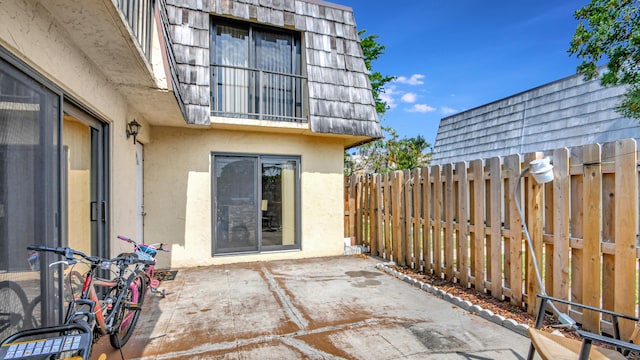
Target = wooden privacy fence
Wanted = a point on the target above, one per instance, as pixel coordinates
(459, 221)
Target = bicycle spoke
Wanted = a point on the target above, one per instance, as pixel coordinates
(12, 306)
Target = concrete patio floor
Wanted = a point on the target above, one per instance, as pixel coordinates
(323, 308)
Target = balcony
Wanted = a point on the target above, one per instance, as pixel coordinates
(122, 39)
(254, 94)
(139, 16)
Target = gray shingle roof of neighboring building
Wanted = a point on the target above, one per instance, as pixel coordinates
(340, 98)
(565, 113)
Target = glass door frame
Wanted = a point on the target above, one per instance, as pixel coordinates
(99, 140)
(217, 222)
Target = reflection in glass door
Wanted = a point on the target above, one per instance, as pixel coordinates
(80, 199)
(278, 202)
(235, 204)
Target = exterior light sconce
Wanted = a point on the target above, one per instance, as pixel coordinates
(133, 128)
(542, 170)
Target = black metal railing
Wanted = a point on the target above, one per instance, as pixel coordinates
(139, 15)
(256, 94)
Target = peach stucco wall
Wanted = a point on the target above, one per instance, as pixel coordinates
(44, 46)
(178, 192)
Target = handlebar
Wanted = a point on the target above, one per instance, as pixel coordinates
(156, 246)
(70, 255)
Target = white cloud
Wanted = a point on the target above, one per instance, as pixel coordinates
(447, 110)
(387, 97)
(415, 79)
(409, 98)
(421, 108)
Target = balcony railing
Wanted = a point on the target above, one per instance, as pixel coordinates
(139, 15)
(256, 94)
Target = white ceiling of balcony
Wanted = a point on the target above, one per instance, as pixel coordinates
(99, 30)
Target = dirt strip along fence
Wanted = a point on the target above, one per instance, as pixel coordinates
(460, 222)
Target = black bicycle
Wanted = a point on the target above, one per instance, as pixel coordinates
(89, 315)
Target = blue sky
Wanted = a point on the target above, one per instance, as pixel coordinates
(451, 56)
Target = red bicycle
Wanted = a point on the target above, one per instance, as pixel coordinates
(148, 252)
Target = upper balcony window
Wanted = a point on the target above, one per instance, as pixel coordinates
(255, 72)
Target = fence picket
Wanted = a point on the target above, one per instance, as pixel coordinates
(387, 215)
(462, 235)
(426, 220)
(407, 222)
(437, 221)
(449, 207)
(561, 225)
(415, 217)
(396, 217)
(626, 224)
(513, 243)
(477, 244)
(590, 266)
(494, 221)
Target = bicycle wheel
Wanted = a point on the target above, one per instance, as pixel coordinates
(35, 312)
(13, 307)
(128, 312)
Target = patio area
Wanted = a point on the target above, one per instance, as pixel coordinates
(323, 308)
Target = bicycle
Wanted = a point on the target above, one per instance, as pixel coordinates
(148, 252)
(88, 316)
(14, 308)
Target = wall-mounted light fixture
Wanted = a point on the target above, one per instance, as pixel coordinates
(133, 128)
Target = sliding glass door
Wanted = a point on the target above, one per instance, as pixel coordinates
(255, 202)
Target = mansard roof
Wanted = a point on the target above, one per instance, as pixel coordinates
(340, 99)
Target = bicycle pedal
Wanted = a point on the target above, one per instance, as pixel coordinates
(154, 284)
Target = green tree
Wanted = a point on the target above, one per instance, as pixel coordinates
(372, 50)
(391, 152)
(609, 31)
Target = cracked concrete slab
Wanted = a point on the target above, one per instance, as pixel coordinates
(324, 308)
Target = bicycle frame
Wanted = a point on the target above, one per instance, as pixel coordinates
(90, 297)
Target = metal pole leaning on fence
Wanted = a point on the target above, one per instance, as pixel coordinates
(542, 173)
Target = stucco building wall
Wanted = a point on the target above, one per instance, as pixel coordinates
(178, 197)
(44, 46)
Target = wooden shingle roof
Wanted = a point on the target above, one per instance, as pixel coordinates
(340, 99)
(565, 113)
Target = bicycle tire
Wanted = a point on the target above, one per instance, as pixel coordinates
(14, 300)
(34, 313)
(128, 313)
